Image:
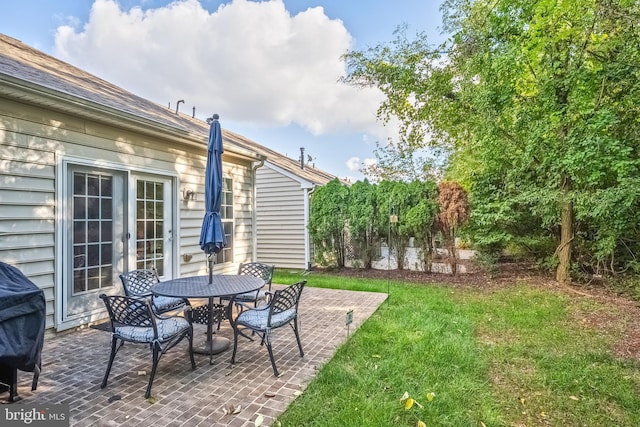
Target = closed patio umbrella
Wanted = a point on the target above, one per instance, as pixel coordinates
(212, 238)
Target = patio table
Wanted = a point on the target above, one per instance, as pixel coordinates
(223, 285)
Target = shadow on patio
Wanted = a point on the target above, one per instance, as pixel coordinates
(73, 365)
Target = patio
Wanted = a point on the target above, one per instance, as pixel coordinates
(73, 366)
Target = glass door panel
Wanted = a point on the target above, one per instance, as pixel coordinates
(153, 233)
(96, 230)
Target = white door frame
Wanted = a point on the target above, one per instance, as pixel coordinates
(169, 229)
(62, 321)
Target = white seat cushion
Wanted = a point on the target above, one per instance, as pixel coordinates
(257, 319)
(163, 303)
(251, 296)
(167, 328)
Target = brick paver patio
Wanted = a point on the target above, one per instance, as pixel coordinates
(74, 363)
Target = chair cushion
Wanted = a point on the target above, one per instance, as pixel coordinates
(166, 303)
(257, 319)
(167, 328)
(251, 296)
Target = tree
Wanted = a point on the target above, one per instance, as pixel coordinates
(398, 162)
(415, 207)
(453, 214)
(361, 209)
(391, 196)
(420, 218)
(537, 102)
(327, 219)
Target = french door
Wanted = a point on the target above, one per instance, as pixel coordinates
(114, 221)
(153, 224)
(95, 247)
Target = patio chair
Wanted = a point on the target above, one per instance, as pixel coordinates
(282, 310)
(138, 283)
(133, 320)
(262, 271)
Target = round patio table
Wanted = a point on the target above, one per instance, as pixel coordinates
(222, 285)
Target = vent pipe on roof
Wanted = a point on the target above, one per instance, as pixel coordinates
(193, 116)
(178, 105)
(301, 157)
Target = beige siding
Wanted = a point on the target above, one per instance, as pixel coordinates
(280, 220)
(34, 141)
(192, 213)
(27, 203)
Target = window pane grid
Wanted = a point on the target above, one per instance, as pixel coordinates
(226, 213)
(92, 235)
(226, 205)
(150, 225)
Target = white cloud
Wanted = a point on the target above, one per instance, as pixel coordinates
(353, 164)
(251, 62)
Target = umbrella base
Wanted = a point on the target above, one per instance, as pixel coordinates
(216, 346)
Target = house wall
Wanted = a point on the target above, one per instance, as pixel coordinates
(33, 143)
(280, 226)
(192, 213)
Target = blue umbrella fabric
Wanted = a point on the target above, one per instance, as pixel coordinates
(212, 238)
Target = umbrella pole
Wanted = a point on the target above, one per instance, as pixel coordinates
(210, 319)
(210, 258)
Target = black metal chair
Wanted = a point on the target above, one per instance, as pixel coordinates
(138, 283)
(257, 269)
(282, 310)
(133, 320)
(260, 270)
(264, 272)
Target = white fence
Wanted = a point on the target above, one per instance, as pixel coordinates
(412, 260)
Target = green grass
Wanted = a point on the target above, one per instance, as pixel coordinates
(513, 357)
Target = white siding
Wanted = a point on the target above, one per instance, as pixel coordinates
(33, 141)
(280, 227)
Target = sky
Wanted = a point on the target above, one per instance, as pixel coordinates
(270, 69)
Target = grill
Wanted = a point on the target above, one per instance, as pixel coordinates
(22, 324)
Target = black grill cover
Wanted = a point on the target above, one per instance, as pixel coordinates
(22, 320)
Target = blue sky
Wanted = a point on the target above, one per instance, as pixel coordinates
(270, 69)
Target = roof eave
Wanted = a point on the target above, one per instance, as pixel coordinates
(24, 91)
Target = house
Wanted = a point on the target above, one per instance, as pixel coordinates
(283, 190)
(96, 181)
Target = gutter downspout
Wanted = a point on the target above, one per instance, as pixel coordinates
(254, 168)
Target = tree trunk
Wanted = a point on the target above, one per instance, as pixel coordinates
(563, 272)
(427, 253)
(453, 262)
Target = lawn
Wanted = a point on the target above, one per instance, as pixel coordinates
(518, 355)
